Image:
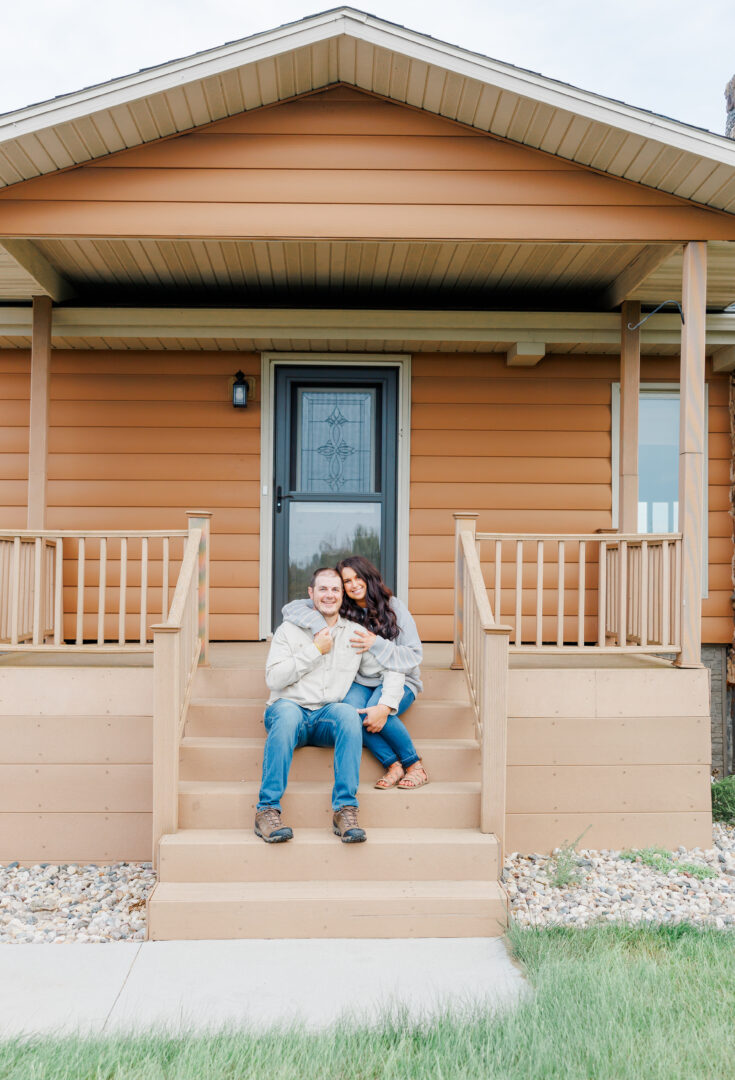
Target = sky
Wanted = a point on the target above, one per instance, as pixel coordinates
(670, 56)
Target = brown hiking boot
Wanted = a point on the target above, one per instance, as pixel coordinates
(345, 825)
(268, 826)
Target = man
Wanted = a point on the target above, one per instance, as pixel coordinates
(308, 677)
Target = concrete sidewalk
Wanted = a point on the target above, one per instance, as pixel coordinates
(196, 986)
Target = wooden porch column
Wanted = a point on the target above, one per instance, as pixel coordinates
(38, 425)
(692, 450)
(630, 384)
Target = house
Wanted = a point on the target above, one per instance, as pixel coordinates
(439, 278)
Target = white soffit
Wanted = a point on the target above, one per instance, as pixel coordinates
(349, 46)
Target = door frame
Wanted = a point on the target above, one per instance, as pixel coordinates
(269, 361)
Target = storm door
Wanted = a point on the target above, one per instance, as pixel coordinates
(334, 472)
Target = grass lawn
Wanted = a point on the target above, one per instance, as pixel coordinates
(609, 1003)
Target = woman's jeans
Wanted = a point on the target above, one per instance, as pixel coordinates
(393, 743)
(290, 726)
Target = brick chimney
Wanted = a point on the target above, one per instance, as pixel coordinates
(730, 106)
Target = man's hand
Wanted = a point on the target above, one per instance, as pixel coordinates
(361, 640)
(323, 641)
(375, 717)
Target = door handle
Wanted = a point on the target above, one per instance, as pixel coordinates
(280, 498)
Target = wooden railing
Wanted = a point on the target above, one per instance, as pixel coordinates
(601, 591)
(28, 600)
(481, 648)
(179, 644)
(89, 590)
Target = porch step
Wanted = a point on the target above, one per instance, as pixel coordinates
(439, 683)
(211, 804)
(328, 909)
(200, 855)
(217, 758)
(243, 718)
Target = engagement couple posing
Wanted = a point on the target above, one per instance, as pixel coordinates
(342, 669)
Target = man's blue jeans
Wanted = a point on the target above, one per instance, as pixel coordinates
(393, 743)
(290, 726)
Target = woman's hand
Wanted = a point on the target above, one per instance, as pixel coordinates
(375, 716)
(361, 640)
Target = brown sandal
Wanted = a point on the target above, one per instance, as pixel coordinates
(391, 778)
(415, 776)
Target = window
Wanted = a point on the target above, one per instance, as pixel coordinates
(658, 461)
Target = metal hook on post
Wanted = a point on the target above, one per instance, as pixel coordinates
(650, 313)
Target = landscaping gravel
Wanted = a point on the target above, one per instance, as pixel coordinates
(612, 886)
(60, 903)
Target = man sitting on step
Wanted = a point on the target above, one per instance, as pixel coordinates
(308, 676)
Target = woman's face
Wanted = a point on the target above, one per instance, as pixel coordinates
(355, 587)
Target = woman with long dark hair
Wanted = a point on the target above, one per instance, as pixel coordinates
(386, 629)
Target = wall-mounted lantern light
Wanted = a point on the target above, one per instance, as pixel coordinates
(240, 391)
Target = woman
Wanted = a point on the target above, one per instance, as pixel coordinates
(387, 629)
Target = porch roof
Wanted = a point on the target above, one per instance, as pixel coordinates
(349, 46)
(353, 48)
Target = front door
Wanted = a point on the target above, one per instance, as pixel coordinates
(335, 472)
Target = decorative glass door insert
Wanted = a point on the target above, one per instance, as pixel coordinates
(334, 472)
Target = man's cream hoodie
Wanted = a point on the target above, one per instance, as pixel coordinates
(295, 669)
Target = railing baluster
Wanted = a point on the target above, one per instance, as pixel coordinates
(15, 593)
(4, 590)
(560, 596)
(122, 606)
(519, 591)
(59, 592)
(164, 587)
(539, 593)
(632, 591)
(601, 593)
(498, 578)
(582, 592)
(676, 595)
(143, 589)
(622, 593)
(38, 589)
(102, 592)
(665, 594)
(644, 593)
(80, 592)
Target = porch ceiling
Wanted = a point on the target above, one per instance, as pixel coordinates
(357, 273)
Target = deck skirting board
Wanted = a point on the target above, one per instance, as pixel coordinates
(634, 740)
(543, 832)
(75, 837)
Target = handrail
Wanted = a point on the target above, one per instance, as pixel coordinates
(73, 534)
(607, 537)
(481, 648)
(179, 645)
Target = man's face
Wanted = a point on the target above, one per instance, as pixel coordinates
(326, 595)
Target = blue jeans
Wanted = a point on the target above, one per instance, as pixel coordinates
(290, 726)
(393, 743)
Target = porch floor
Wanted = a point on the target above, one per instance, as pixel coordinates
(252, 654)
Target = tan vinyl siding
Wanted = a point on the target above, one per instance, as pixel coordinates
(15, 384)
(137, 441)
(531, 451)
(341, 164)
